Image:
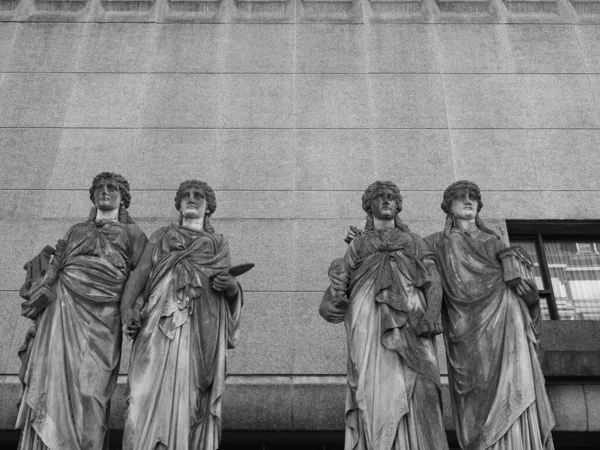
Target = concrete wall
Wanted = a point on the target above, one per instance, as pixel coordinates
(289, 109)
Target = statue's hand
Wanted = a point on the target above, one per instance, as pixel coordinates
(333, 312)
(353, 233)
(528, 291)
(132, 321)
(38, 301)
(225, 282)
(429, 325)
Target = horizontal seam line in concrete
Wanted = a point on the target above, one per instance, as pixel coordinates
(292, 73)
(292, 191)
(12, 127)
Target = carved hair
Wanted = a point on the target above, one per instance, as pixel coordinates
(371, 192)
(121, 182)
(209, 196)
(456, 191)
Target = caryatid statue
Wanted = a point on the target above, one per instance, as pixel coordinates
(74, 358)
(183, 308)
(387, 291)
(490, 329)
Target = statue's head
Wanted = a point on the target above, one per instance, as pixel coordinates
(110, 191)
(209, 195)
(459, 190)
(381, 188)
(203, 198)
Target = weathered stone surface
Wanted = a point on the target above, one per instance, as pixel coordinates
(7, 32)
(258, 405)
(586, 7)
(393, 11)
(555, 166)
(557, 101)
(406, 48)
(118, 47)
(543, 48)
(32, 169)
(9, 392)
(268, 48)
(407, 101)
(264, 11)
(483, 101)
(530, 7)
(182, 101)
(257, 101)
(592, 401)
(269, 243)
(266, 343)
(474, 48)
(190, 48)
(106, 100)
(24, 231)
(21, 204)
(331, 101)
(333, 159)
(257, 159)
(329, 11)
(13, 327)
(330, 48)
(496, 159)
(520, 205)
(560, 205)
(589, 42)
(568, 406)
(318, 406)
(413, 159)
(318, 346)
(34, 99)
(256, 204)
(464, 6)
(44, 47)
(328, 205)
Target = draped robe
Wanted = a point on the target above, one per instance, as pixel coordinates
(496, 383)
(177, 370)
(392, 396)
(74, 361)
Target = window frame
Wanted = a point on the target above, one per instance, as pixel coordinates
(540, 230)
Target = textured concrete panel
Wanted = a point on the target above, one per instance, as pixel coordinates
(329, 205)
(161, 159)
(36, 149)
(545, 48)
(7, 33)
(408, 101)
(474, 48)
(266, 338)
(330, 48)
(118, 47)
(558, 169)
(20, 204)
(258, 101)
(182, 101)
(268, 243)
(592, 401)
(332, 101)
(259, 49)
(557, 101)
(568, 406)
(406, 48)
(258, 406)
(483, 101)
(561, 205)
(515, 205)
(319, 346)
(318, 242)
(414, 159)
(19, 235)
(334, 159)
(261, 159)
(318, 406)
(83, 153)
(589, 41)
(495, 159)
(34, 100)
(256, 204)
(106, 100)
(191, 48)
(9, 392)
(45, 47)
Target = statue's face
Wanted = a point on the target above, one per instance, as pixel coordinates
(464, 206)
(384, 205)
(193, 203)
(107, 195)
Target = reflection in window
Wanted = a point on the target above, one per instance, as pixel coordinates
(570, 280)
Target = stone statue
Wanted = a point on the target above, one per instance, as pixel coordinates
(73, 361)
(496, 384)
(186, 318)
(388, 292)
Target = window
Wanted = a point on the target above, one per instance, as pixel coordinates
(566, 258)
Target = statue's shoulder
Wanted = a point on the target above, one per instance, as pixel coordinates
(433, 239)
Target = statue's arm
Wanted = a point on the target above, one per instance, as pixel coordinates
(130, 307)
(431, 324)
(334, 304)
